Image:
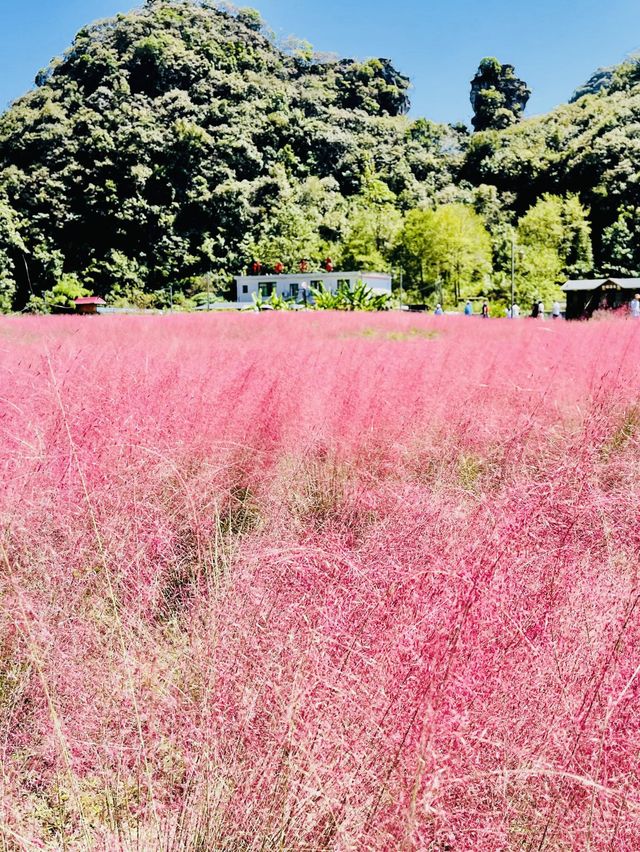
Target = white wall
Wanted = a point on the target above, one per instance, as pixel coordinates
(375, 280)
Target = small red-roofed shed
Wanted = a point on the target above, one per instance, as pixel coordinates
(88, 304)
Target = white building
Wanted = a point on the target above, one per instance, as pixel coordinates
(294, 286)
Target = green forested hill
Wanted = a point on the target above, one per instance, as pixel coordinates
(590, 148)
(167, 140)
(180, 141)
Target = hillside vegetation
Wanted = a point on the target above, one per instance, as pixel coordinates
(182, 140)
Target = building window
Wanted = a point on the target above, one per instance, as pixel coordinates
(266, 289)
(245, 288)
(295, 289)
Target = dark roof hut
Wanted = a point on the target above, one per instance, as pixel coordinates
(88, 304)
(586, 296)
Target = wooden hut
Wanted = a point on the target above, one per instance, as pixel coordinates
(88, 304)
(586, 296)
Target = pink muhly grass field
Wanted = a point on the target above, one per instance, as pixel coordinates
(319, 582)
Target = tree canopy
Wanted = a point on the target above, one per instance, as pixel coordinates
(555, 238)
(451, 248)
(169, 142)
(173, 145)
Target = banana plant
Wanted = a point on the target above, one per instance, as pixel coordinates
(361, 298)
(325, 300)
(279, 303)
(273, 303)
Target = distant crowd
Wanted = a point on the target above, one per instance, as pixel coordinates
(513, 312)
(538, 310)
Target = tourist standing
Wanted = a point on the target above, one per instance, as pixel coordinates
(635, 306)
(515, 311)
(438, 311)
(540, 309)
(555, 310)
(468, 309)
(485, 310)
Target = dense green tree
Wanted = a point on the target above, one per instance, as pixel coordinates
(169, 142)
(621, 245)
(60, 297)
(251, 18)
(372, 227)
(626, 76)
(589, 148)
(449, 247)
(302, 224)
(555, 240)
(12, 252)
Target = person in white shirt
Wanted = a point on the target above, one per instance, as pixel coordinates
(635, 305)
(555, 310)
(515, 311)
(541, 310)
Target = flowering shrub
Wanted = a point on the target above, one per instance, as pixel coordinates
(319, 581)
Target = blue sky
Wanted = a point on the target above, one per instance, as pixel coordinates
(554, 44)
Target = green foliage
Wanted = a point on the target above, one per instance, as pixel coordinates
(621, 244)
(299, 48)
(180, 141)
(60, 297)
(67, 290)
(300, 224)
(273, 303)
(626, 76)
(556, 241)
(448, 247)
(600, 81)
(372, 228)
(12, 249)
(251, 18)
(175, 140)
(325, 299)
(589, 148)
(360, 298)
(373, 86)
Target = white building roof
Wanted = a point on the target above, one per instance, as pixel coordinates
(313, 276)
(583, 284)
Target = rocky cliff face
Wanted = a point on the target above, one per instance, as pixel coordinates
(498, 96)
(599, 81)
